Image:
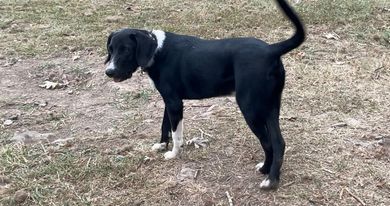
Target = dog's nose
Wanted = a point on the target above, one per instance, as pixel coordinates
(110, 72)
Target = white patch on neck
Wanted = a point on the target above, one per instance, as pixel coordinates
(160, 36)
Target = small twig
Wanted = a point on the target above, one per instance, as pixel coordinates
(230, 198)
(196, 174)
(341, 124)
(87, 165)
(288, 184)
(329, 171)
(197, 105)
(356, 197)
(204, 133)
(43, 148)
(341, 193)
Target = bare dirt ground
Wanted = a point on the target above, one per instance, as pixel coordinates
(335, 111)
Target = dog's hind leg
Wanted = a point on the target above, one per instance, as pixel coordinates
(278, 147)
(263, 136)
(255, 117)
(175, 114)
(165, 133)
(260, 105)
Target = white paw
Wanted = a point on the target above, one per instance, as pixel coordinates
(169, 155)
(159, 146)
(259, 166)
(265, 183)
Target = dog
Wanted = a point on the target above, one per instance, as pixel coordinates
(186, 67)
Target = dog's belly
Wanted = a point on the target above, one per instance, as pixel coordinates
(207, 88)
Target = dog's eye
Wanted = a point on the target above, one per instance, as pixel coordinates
(123, 49)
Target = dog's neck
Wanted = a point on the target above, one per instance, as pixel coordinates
(159, 36)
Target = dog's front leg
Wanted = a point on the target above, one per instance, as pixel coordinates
(165, 133)
(175, 114)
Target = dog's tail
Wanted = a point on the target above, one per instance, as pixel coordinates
(297, 39)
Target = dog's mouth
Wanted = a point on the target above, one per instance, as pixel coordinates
(118, 79)
(121, 78)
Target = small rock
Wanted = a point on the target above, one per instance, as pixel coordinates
(42, 103)
(8, 122)
(146, 159)
(72, 49)
(21, 196)
(76, 57)
(376, 37)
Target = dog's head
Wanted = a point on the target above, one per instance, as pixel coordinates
(127, 50)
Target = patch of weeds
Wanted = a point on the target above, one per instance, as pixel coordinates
(133, 99)
(341, 165)
(143, 95)
(5, 23)
(331, 11)
(386, 37)
(46, 66)
(63, 175)
(79, 76)
(75, 75)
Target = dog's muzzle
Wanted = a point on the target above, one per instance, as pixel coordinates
(110, 72)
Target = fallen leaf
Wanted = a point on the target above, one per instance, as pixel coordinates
(332, 35)
(197, 142)
(51, 85)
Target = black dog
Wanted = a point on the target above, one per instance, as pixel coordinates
(187, 67)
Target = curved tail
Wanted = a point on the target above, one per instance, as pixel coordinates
(297, 39)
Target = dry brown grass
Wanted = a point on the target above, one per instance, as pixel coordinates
(335, 111)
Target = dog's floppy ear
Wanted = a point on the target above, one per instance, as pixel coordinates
(146, 46)
(108, 51)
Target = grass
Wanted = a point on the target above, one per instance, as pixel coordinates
(77, 25)
(71, 173)
(112, 126)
